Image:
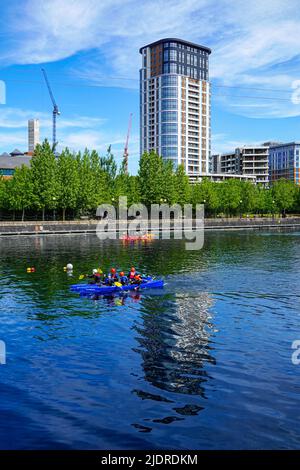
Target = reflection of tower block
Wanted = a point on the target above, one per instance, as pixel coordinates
(2, 353)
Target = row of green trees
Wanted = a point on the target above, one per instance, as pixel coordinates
(81, 182)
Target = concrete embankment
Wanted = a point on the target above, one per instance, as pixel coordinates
(90, 226)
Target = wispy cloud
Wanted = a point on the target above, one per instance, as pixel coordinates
(76, 133)
(253, 43)
(222, 143)
(18, 118)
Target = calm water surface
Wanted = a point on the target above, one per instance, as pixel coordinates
(205, 363)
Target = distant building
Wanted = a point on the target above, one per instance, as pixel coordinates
(215, 163)
(218, 177)
(33, 134)
(249, 160)
(284, 162)
(10, 161)
(254, 160)
(175, 103)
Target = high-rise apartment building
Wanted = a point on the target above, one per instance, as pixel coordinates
(175, 103)
(33, 134)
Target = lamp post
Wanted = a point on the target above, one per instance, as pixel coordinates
(54, 214)
(240, 204)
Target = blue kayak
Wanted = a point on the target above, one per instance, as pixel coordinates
(107, 290)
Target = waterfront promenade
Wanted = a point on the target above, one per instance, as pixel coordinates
(10, 228)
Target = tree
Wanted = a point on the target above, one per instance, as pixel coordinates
(3, 192)
(207, 193)
(87, 198)
(69, 181)
(182, 187)
(284, 193)
(151, 178)
(108, 164)
(45, 178)
(20, 190)
(231, 197)
(168, 183)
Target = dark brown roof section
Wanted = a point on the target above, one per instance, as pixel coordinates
(181, 41)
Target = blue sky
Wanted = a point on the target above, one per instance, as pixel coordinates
(90, 51)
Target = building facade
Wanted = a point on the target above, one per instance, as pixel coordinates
(249, 160)
(284, 162)
(33, 134)
(9, 162)
(175, 103)
(254, 160)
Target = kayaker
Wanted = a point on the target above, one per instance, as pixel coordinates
(123, 278)
(137, 279)
(114, 275)
(96, 277)
(131, 274)
(107, 280)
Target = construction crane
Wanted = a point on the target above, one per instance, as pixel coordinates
(55, 111)
(125, 154)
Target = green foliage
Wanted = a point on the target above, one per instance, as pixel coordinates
(69, 182)
(284, 193)
(81, 182)
(207, 193)
(3, 192)
(183, 192)
(45, 178)
(20, 190)
(151, 179)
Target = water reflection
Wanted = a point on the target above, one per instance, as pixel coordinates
(174, 340)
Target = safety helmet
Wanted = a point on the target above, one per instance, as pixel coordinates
(113, 271)
(95, 271)
(121, 273)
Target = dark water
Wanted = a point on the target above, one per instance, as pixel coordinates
(204, 364)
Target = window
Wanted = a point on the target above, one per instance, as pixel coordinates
(169, 152)
(169, 80)
(167, 140)
(168, 104)
(170, 128)
(7, 171)
(167, 116)
(173, 67)
(169, 92)
(173, 55)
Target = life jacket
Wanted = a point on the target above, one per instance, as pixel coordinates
(132, 274)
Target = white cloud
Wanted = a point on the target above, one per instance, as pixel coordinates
(17, 118)
(76, 133)
(222, 143)
(14, 139)
(253, 43)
